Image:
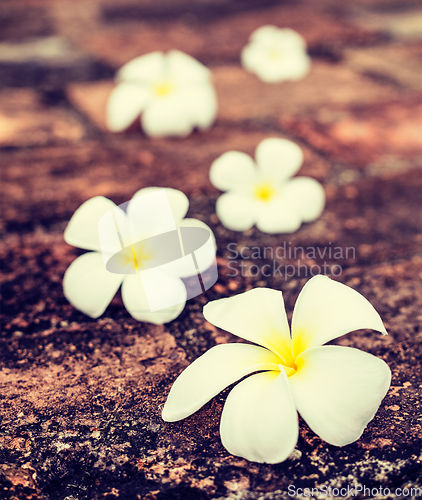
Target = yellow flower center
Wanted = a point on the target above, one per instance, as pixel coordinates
(264, 191)
(289, 366)
(290, 370)
(281, 346)
(286, 350)
(163, 88)
(275, 54)
(300, 343)
(133, 257)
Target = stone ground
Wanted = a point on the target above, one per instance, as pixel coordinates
(81, 398)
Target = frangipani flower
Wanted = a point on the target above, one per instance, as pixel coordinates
(139, 249)
(275, 55)
(173, 92)
(263, 194)
(337, 390)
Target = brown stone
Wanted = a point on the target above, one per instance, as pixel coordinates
(91, 99)
(47, 63)
(25, 121)
(401, 25)
(326, 85)
(397, 63)
(378, 135)
(215, 40)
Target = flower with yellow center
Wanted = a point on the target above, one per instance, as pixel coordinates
(275, 55)
(264, 194)
(172, 93)
(337, 390)
(123, 250)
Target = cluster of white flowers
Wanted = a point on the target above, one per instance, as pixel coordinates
(336, 390)
(174, 93)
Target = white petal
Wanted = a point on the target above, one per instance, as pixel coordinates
(146, 69)
(264, 34)
(205, 253)
(290, 38)
(163, 287)
(179, 202)
(251, 57)
(185, 69)
(211, 373)
(278, 216)
(202, 105)
(258, 316)
(136, 302)
(82, 229)
(236, 211)
(327, 309)
(271, 36)
(88, 286)
(338, 390)
(267, 72)
(294, 67)
(308, 195)
(259, 420)
(125, 104)
(278, 159)
(114, 234)
(150, 215)
(167, 116)
(231, 170)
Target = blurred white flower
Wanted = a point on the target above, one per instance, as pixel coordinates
(92, 280)
(264, 194)
(173, 92)
(337, 390)
(276, 54)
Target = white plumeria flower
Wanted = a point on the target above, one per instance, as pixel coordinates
(337, 390)
(88, 283)
(276, 54)
(264, 194)
(173, 92)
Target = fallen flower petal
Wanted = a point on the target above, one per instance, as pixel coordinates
(338, 390)
(259, 420)
(211, 373)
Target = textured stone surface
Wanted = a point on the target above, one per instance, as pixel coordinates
(211, 37)
(397, 63)
(26, 119)
(375, 136)
(47, 62)
(81, 398)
